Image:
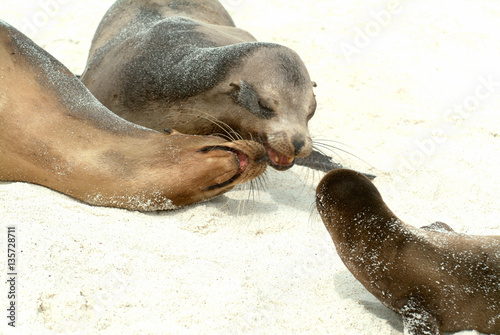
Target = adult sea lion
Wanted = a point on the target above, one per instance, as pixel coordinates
(184, 65)
(438, 280)
(53, 132)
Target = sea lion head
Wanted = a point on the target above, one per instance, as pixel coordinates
(343, 194)
(352, 209)
(275, 101)
(209, 166)
(260, 91)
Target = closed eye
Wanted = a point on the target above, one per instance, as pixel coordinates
(266, 111)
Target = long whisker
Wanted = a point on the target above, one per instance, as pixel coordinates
(228, 132)
(252, 189)
(320, 140)
(313, 211)
(242, 204)
(231, 133)
(332, 149)
(261, 181)
(321, 161)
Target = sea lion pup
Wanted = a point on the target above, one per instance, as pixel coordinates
(184, 65)
(438, 280)
(53, 132)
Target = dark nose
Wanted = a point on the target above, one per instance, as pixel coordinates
(298, 143)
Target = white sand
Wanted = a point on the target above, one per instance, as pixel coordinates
(271, 267)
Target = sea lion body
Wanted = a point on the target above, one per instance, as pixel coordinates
(437, 279)
(184, 65)
(53, 132)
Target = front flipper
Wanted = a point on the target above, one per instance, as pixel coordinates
(418, 321)
(322, 162)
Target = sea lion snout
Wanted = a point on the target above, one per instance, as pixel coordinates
(350, 188)
(298, 143)
(249, 157)
(283, 148)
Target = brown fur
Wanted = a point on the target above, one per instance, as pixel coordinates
(53, 132)
(184, 65)
(438, 280)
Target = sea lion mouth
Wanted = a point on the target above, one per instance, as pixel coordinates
(278, 161)
(243, 162)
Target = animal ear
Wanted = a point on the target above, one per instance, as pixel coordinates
(238, 84)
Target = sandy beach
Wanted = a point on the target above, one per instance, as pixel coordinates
(407, 90)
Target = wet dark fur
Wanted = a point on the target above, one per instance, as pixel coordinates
(437, 279)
